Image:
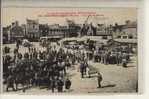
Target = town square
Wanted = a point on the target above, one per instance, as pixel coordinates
(88, 53)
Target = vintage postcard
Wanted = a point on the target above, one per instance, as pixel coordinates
(86, 50)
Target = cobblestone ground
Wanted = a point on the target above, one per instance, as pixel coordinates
(116, 79)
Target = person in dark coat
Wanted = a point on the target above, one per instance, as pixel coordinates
(67, 84)
(124, 60)
(17, 44)
(82, 69)
(85, 67)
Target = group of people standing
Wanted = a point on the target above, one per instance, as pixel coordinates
(49, 68)
(38, 68)
(111, 57)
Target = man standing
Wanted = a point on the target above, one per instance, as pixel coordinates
(82, 69)
(67, 84)
(124, 60)
(99, 79)
(85, 66)
(17, 44)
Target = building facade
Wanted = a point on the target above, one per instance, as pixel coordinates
(56, 30)
(32, 29)
(126, 31)
(6, 34)
(16, 31)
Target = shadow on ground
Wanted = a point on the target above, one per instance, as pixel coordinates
(110, 85)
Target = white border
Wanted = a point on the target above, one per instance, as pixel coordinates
(141, 41)
(70, 3)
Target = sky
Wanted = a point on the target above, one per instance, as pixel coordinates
(110, 15)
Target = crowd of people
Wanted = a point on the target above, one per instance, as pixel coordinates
(49, 68)
(111, 57)
(38, 68)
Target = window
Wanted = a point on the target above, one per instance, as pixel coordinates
(119, 37)
(131, 37)
(104, 37)
(124, 37)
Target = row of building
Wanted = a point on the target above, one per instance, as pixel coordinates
(33, 30)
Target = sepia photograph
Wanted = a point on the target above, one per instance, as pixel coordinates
(69, 50)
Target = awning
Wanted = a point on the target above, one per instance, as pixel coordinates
(130, 41)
